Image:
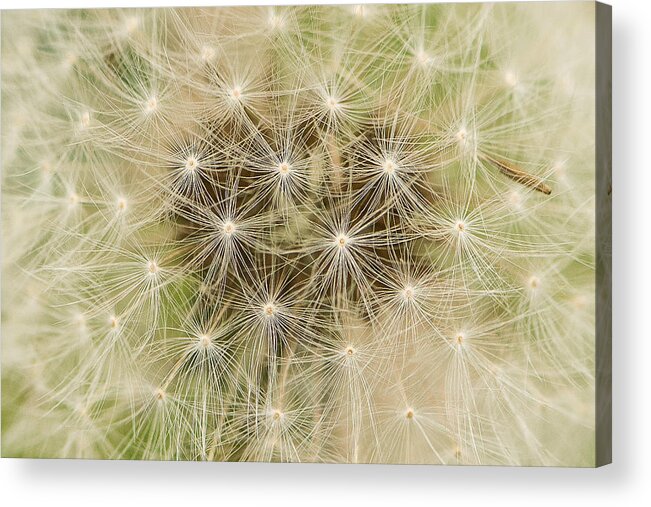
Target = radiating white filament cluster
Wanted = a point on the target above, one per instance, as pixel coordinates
(281, 234)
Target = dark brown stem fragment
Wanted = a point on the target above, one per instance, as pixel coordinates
(526, 179)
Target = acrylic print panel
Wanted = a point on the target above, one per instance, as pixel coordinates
(349, 234)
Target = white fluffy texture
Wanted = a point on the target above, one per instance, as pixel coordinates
(300, 234)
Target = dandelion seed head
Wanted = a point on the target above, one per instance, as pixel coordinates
(152, 268)
(121, 205)
(269, 309)
(389, 167)
(235, 94)
(46, 167)
(204, 341)
(70, 59)
(207, 53)
(131, 24)
(151, 104)
(229, 228)
(191, 164)
(461, 136)
(298, 153)
(284, 169)
(422, 58)
(342, 241)
(408, 294)
(73, 200)
(79, 319)
(332, 103)
(84, 120)
(275, 22)
(81, 409)
(580, 301)
(460, 228)
(534, 282)
(511, 78)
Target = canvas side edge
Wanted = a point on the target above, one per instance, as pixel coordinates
(603, 167)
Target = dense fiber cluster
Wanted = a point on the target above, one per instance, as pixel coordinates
(347, 233)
